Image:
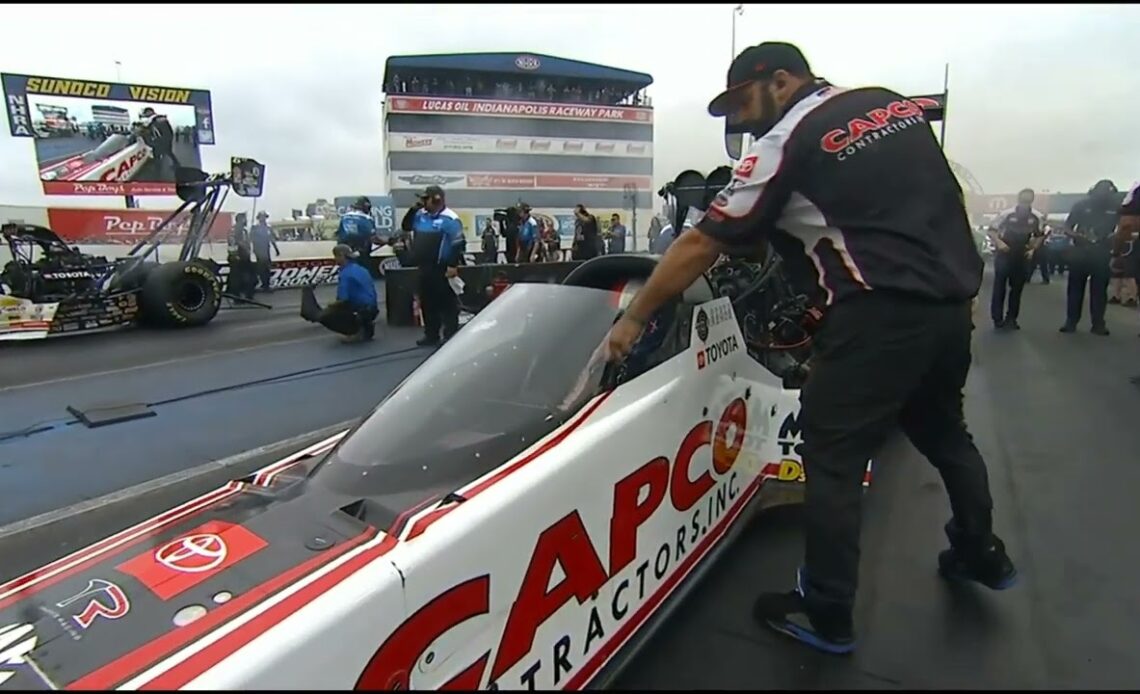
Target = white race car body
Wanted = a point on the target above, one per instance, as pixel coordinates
(117, 159)
(503, 519)
(23, 319)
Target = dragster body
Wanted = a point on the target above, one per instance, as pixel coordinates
(515, 514)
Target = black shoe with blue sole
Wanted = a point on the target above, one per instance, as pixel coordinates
(787, 613)
(988, 565)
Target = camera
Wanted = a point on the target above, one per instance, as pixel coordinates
(507, 215)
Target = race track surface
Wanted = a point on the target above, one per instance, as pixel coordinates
(250, 378)
(53, 150)
(1050, 412)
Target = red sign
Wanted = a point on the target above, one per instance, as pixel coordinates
(401, 103)
(76, 225)
(562, 181)
(106, 188)
(197, 556)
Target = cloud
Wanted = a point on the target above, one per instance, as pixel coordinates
(1042, 96)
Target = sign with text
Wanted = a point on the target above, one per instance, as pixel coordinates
(107, 138)
(491, 144)
(403, 103)
(383, 210)
(76, 225)
(517, 181)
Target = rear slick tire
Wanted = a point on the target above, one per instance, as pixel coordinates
(181, 294)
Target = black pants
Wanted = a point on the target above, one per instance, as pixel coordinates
(263, 265)
(360, 243)
(438, 303)
(1010, 273)
(1087, 266)
(346, 319)
(512, 247)
(883, 360)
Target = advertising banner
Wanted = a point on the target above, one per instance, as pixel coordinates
(383, 210)
(490, 144)
(404, 103)
(107, 138)
(517, 181)
(82, 226)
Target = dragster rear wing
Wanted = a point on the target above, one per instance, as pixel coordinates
(933, 107)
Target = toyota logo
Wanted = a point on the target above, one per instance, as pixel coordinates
(193, 553)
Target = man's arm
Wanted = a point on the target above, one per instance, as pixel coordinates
(453, 244)
(740, 216)
(409, 218)
(996, 228)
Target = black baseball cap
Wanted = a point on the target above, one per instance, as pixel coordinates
(755, 63)
(432, 192)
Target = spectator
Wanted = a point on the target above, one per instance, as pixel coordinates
(616, 235)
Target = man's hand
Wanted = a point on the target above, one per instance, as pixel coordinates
(452, 272)
(621, 337)
(1001, 246)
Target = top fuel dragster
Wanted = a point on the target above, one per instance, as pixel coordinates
(529, 533)
(50, 288)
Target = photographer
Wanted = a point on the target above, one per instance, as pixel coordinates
(894, 347)
(1091, 224)
(437, 249)
(587, 239)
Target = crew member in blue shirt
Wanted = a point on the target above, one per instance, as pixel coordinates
(437, 250)
(528, 235)
(354, 312)
(357, 228)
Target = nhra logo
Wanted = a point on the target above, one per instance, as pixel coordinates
(717, 351)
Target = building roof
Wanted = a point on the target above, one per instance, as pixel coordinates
(536, 64)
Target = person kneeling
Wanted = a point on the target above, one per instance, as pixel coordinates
(354, 312)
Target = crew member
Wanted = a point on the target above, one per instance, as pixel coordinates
(242, 279)
(1091, 224)
(158, 134)
(528, 236)
(262, 239)
(438, 245)
(1016, 233)
(1127, 232)
(898, 277)
(616, 235)
(490, 244)
(587, 240)
(357, 228)
(354, 312)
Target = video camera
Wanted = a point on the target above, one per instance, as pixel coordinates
(507, 215)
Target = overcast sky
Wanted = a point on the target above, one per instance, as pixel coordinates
(1044, 96)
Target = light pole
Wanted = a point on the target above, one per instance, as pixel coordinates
(738, 10)
(118, 71)
(631, 197)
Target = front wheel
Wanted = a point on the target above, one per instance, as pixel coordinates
(181, 294)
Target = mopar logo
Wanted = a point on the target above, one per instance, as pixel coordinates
(702, 325)
(436, 180)
(527, 62)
